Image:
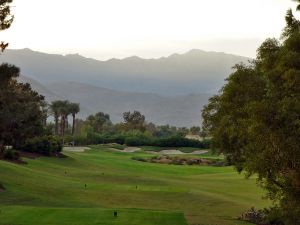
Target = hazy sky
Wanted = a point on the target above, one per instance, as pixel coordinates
(148, 28)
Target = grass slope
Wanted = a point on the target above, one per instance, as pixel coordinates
(52, 191)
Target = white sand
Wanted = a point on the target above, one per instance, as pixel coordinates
(76, 149)
(177, 152)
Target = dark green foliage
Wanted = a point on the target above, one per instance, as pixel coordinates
(255, 120)
(134, 121)
(10, 154)
(178, 141)
(136, 139)
(21, 109)
(2, 188)
(141, 159)
(60, 110)
(100, 122)
(195, 130)
(6, 18)
(46, 145)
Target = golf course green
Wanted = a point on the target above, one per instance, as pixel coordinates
(86, 188)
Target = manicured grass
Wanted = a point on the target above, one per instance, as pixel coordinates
(52, 188)
(86, 216)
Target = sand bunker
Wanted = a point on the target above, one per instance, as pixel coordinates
(131, 149)
(177, 152)
(76, 149)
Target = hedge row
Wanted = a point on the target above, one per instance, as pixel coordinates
(46, 145)
(138, 140)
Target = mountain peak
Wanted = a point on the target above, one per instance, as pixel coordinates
(133, 58)
(74, 56)
(195, 51)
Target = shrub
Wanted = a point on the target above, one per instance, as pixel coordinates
(46, 145)
(134, 141)
(2, 188)
(11, 155)
(139, 159)
(179, 141)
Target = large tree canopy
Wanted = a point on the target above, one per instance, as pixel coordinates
(21, 108)
(255, 119)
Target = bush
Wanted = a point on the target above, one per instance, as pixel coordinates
(46, 145)
(178, 141)
(139, 159)
(11, 155)
(134, 141)
(136, 138)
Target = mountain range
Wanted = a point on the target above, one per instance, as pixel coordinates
(168, 90)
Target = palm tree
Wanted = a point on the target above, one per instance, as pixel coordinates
(74, 109)
(63, 112)
(55, 109)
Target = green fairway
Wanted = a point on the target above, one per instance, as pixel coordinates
(86, 216)
(52, 191)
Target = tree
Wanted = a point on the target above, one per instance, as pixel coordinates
(255, 122)
(74, 109)
(195, 130)
(63, 111)
(6, 19)
(134, 121)
(55, 107)
(100, 121)
(21, 109)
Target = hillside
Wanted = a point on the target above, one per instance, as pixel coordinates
(169, 90)
(178, 111)
(196, 71)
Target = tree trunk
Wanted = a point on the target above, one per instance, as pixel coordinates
(1, 147)
(63, 124)
(67, 122)
(56, 124)
(73, 125)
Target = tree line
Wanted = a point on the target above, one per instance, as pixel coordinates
(134, 130)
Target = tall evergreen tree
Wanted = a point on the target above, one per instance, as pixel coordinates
(21, 109)
(255, 120)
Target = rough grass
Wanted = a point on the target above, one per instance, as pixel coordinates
(52, 191)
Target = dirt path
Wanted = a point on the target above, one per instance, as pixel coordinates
(75, 149)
